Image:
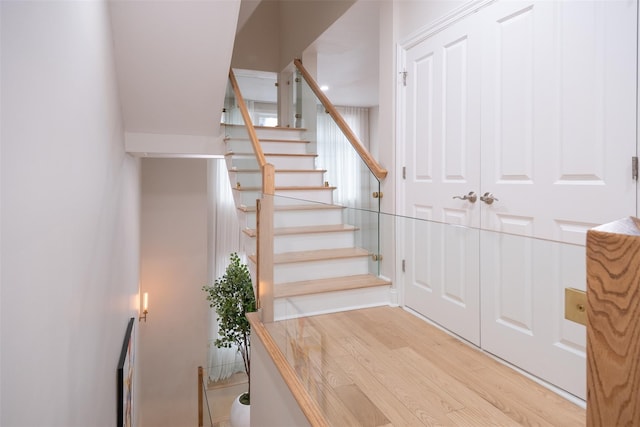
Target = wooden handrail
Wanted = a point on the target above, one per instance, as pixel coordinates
(308, 406)
(371, 163)
(257, 149)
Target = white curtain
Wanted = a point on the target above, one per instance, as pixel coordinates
(348, 172)
(345, 169)
(224, 238)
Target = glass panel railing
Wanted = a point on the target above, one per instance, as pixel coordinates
(231, 114)
(243, 162)
(260, 94)
(354, 182)
(501, 292)
(318, 247)
(354, 185)
(260, 97)
(220, 386)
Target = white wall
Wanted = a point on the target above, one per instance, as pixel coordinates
(414, 15)
(173, 341)
(70, 217)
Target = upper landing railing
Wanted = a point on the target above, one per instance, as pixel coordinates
(364, 154)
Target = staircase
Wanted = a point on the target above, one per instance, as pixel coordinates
(317, 266)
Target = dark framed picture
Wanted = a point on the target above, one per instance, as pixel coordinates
(125, 378)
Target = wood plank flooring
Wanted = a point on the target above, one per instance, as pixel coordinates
(385, 367)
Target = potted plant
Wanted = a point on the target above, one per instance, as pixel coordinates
(232, 296)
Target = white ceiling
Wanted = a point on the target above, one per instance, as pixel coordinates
(347, 61)
(348, 56)
(172, 61)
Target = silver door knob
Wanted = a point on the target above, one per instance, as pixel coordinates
(488, 198)
(472, 197)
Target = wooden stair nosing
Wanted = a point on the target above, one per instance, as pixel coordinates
(316, 255)
(308, 287)
(233, 153)
(288, 231)
(281, 208)
(266, 127)
(303, 188)
(281, 170)
(300, 141)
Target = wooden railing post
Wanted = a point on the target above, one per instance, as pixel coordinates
(265, 244)
(613, 324)
(200, 396)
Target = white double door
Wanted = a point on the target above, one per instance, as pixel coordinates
(535, 103)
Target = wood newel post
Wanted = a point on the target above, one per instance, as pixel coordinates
(264, 287)
(200, 396)
(613, 324)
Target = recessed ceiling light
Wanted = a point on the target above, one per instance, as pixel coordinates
(324, 88)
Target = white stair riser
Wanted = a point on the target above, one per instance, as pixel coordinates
(292, 162)
(246, 179)
(300, 179)
(283, 179)
(313, 241)
(242, 162)
(246, 198)
(285, 197)
(330, 302)
(317, 196)
(295, 218)
(268, 133)
(248, 244)
(292, 135)
(282, 147)
(279, 162)
(299, 271)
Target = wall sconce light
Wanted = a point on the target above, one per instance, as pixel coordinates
(145, 307)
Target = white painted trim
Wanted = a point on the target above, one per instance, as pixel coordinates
(330, 302)
(443, 22)
(169, 145)
(393, 297)
(400, 182)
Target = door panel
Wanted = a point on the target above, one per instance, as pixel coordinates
(558, 107)
(534, 102)
(557, 154)
(442, 143)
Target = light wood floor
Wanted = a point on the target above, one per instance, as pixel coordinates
(385, 367)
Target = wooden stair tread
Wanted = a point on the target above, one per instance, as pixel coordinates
(233, 153)
(307, 287)
(280, 170)
(319, 255)
(302, 141)
(308, 207)
(280, 128)
(309, 229)
(311, 188)
(266, 127)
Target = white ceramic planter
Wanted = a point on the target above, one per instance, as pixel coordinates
(240, 414)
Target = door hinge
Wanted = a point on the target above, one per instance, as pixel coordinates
(404, 77)
(404, 172)
(403, 266)
(634, 168)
